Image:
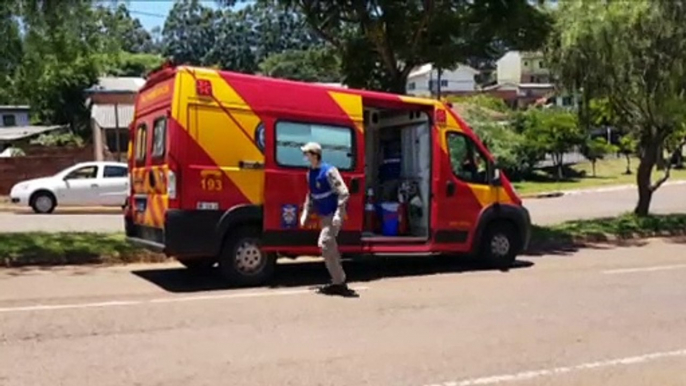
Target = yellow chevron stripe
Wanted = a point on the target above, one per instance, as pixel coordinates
(352, 105)
(218, 132)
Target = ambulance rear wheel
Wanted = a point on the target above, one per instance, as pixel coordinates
(242, 262)
(500, 245)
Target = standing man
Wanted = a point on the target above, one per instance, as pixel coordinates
(327, 197)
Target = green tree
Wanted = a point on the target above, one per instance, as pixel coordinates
(312, 65)
(189, 32)
(123, 30)
(553, 131)
(382, 41)
(627, 147)
(633, 54)
(12, 49)
(58, 62)
(596, 149)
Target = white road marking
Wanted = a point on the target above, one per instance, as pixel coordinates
(527, 375)
(116, 303)
(644, 269)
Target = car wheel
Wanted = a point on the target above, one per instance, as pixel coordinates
(500, 245)
(242, 262)
(199, 264)
(43, 202)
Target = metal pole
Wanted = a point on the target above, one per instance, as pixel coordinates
(116, 131)
(438, 87)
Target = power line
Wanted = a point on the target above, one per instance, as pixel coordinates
(148, 14)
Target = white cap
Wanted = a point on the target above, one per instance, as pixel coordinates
(313, 147)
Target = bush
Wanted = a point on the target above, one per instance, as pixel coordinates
(64, 139)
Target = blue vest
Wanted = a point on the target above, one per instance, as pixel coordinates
(324, 198)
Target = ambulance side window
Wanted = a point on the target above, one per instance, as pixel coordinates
(141, 143)
(159, 137)
(338, 148)
(468, 163)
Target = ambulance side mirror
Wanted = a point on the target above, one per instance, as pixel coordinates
(494, 175)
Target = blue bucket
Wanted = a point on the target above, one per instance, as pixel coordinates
(389, 219)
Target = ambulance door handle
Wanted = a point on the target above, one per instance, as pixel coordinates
(354, 185)
(450, 189)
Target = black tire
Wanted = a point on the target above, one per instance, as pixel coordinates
(500, 245)
(199, 264)
(241, 261)
(43, 202)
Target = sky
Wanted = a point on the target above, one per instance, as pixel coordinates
(152, 13)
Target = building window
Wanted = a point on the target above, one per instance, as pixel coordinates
(567, 101)
(411, 86)
(9, 120)
(336, 141)
(540, 64)
(115, 172)
(468, 163)
(444, 83)
(526, 63)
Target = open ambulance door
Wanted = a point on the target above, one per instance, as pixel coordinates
(285, 187)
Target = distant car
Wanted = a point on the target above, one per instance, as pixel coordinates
(84, 184)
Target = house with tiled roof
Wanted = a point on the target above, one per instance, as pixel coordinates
(112, 102)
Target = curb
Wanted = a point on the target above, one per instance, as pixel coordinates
(66, 210)
(560, 193)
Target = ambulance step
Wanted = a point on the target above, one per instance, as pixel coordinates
(393, 239)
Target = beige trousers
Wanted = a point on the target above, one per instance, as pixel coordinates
(327, 242)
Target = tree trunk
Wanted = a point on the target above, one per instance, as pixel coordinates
(593, 166)
(649, 157)
(628, 164)
(399, 85)
(558, 158)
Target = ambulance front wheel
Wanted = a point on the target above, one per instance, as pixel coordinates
(242, 262)
(500, 245)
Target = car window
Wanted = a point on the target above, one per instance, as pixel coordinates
(467, 162)
(84, 172)
(336, 142)
(115, 172)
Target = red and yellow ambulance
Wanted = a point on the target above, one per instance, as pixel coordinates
(218, 176)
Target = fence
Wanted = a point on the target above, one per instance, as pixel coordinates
(39, 162)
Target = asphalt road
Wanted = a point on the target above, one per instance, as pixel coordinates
(669, 199)
(594, 317)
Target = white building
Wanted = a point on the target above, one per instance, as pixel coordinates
(522, 67)
(423, 80)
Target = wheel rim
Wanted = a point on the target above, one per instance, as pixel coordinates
(249, 258)
(43, 203)
(500, 245)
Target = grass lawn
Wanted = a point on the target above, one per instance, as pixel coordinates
(627, 226)
(31, 249)
(38, 248)
(608, 172)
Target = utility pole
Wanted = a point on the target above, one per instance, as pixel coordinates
(438, 87)
(116, 131)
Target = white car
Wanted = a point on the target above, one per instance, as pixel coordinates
(84, 184)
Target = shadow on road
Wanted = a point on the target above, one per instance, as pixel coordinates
(297, 274)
